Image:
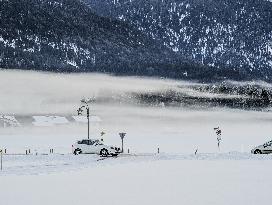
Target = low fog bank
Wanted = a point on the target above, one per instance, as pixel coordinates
(28, 93)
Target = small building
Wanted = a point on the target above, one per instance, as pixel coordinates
(8, 121)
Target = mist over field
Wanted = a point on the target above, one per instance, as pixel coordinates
(148, 126)
(26, 92)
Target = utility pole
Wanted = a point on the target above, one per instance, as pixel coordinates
(80, 111)
(122, 135)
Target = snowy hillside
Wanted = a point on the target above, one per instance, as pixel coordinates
(47, 35)
(66, 36)
(206, 41)
(224, 33)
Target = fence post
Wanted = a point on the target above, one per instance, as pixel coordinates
(158, 150)
(128, 151)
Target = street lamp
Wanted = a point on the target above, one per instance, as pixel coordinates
(80, 111)
(122, 135)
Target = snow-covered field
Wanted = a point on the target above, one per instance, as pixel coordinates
(230, 175)
(230, 178)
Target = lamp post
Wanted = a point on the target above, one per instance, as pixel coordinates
(122, 135)
(80, 111)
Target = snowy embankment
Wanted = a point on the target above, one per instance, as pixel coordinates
(230, 178)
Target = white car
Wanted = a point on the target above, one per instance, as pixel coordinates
(94, 146)
(266, 148)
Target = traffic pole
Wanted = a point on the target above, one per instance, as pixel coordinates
(1, 153)
(88, 116)
(122, 145)
(122, 135)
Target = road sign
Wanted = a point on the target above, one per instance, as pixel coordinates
(122, 135)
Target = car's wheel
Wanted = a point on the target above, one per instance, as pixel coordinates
(104, 153)
(257, 151)
(77, 151)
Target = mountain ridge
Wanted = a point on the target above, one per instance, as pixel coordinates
(236, 35)
(71, 36)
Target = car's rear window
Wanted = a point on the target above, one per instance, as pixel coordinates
(87, 142)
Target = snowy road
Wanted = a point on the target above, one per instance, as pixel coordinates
(55, 163)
